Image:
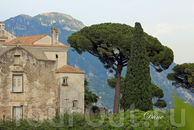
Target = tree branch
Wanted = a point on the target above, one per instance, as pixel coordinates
(98, 55)
(188, 88)
(93, 54)
(125, 61)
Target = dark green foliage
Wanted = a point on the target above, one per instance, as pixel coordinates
(156, 91)
(111, 43)
(137, 81)
(160, 103)
(95, 109)
(107, 41)
(89, 97)
(86, 84)
(183, 76)
(112, 82)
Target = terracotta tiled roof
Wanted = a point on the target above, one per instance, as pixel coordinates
(29, 41)
(38, 45)
(69, 69)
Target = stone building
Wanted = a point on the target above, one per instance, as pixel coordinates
(35, 79)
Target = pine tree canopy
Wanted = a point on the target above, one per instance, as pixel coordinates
(183, 76)
(111, 43)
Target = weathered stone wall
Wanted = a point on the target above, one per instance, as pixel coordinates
(73, 91)
(40, 85)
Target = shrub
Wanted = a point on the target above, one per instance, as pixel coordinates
(130, 120)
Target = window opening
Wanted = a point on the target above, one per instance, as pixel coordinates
(75, 104)
(16, 59)
(17, 112)
(64, 81)
(17, 83)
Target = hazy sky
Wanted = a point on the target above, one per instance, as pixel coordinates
(171, 21)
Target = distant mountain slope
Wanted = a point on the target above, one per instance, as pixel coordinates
(24, 25)
(58, 19)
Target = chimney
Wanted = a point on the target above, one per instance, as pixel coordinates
(2, 28)
(55, 35)
(18, 43)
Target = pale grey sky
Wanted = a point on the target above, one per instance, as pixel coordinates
(171, 21)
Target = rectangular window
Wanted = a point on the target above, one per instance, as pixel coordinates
(17, 112)
(16, 59)
(64, 80)
(2, 40)
(17, 83)
(75, 104)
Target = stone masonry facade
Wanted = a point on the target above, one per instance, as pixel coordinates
(35, 80)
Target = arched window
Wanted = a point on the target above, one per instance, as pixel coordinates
(56, 56)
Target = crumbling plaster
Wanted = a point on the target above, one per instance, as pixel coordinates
(40, 85)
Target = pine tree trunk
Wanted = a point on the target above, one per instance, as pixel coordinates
(117, 92)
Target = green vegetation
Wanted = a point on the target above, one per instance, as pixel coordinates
(111, 43)
(183, 76)
(183, 119)
(133, 120)
(89, 97)
(137, 81)
(156, 91)
(129, 120)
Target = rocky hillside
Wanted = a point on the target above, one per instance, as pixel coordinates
(24, 25)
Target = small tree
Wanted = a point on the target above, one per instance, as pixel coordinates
(158, 93)
(89, 97)
(137, 81)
